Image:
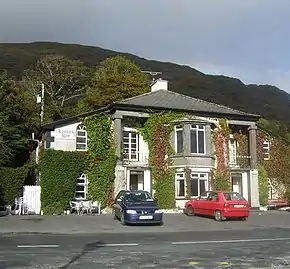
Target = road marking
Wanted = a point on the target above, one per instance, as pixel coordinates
(38, 246)
(117, 245)
(233, 241)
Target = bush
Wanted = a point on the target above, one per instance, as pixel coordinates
(59, 172)
(263, 186)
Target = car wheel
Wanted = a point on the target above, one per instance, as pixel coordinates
(122, 219)
(189, 211)
(218, 215)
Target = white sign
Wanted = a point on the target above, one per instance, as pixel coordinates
(65, 134)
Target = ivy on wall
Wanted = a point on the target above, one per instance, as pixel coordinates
(221, 176)
(101, 158)
(263, 185)
(59, 173)
(242, 149)
(156, 132)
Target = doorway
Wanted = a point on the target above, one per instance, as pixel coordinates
(237, 183)
(136, 180)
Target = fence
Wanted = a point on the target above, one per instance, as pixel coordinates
(31, 199)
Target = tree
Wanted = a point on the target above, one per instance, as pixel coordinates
(18, 119)
(65, 83)
(117, 78)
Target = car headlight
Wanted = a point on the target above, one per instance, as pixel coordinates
(158, 211)
(129, 211)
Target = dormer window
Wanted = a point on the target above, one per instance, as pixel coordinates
(81, 138)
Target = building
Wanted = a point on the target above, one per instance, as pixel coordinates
(192, 140)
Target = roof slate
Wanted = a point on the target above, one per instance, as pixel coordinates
(176, 101)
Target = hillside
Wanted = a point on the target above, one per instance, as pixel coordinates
(268, 101)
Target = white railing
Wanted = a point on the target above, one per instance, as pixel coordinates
(239, 162)
(136, 158)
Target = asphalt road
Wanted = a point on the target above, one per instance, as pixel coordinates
(255, 248)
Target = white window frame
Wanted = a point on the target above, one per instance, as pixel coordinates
(81, 128)
(233, 151)
(199, 177)
(178, 177)
(197, 128)
(266, 150)
(131, 155)
(83, 177)
(178, 129)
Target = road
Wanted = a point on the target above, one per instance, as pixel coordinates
(267, 247)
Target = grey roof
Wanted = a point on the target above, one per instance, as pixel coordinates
(176, 101)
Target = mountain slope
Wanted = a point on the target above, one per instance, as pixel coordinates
(268, 101)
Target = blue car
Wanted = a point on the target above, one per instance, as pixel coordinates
(133, 207)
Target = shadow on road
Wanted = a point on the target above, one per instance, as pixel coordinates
(88, 248)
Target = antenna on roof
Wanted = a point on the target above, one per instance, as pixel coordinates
(152, 74)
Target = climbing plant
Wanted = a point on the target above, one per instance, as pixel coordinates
(101, 158)
(156, 132)
(263, 185)
(222, 173)
(242, 141)
(59, 172)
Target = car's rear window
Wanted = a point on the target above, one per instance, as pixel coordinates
(233, 196)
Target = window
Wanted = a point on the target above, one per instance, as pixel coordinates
(197, 139)
(266, 150)
(233, 151)
(81, 187)
(180, 185)
(199, 182)
(130, 145)
(81, 138)
(178, 139)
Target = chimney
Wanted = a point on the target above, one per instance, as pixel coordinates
(159, 84)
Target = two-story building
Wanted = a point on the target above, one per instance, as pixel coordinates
(192, 140)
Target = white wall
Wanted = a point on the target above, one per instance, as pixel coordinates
(65, 137)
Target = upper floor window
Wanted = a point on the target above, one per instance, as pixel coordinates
(233, 151)
(130, 145)
(178, 139)
(81, 187)
(81, 138)
(266, 150)
(197, 139)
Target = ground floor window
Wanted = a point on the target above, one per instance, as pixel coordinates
(180, 185)
(199, 183)
(81, 187)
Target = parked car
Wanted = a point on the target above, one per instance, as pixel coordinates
(221, 205)
(132, 207)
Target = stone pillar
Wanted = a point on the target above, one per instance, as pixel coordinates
(253, 146)
(118, 136)
(186, 139)
(254, 180)
(208, 140)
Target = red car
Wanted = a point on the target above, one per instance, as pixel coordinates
(220, 205)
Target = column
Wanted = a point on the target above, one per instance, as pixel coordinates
(118, 136)
(186, 139)
(253, 146)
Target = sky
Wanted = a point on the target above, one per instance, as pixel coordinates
(248, 39)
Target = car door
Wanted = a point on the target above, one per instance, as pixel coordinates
(200, 205)
(213, 203)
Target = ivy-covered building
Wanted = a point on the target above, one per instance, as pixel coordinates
(169, 144)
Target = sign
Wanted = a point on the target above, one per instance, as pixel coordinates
(65, 134)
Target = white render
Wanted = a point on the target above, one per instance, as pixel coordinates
(159, 84)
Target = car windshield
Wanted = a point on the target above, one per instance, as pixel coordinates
(138, 197)
(233, 196)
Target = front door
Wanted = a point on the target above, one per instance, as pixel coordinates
(237, 183)
(136, 181)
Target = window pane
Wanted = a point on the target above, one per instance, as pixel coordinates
(125, 140)
(81, 146)
(81, 133)
(193, 126)
(81, 181)
(133, 135)
(81, 140)
(125, 134)
(179, 141)
(194, 187)
(181, 187)
(80, 188)
(202, 186)
(80, 195)
(200, 142)
(193, 145)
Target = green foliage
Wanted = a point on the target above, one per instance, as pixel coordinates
(276, 128)
(156, 132)
(17, 121)
(65, 80)
(101, 157)
(11, 183)
(263, 185)
(118, 78)
(59, 173)
(221, 181)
